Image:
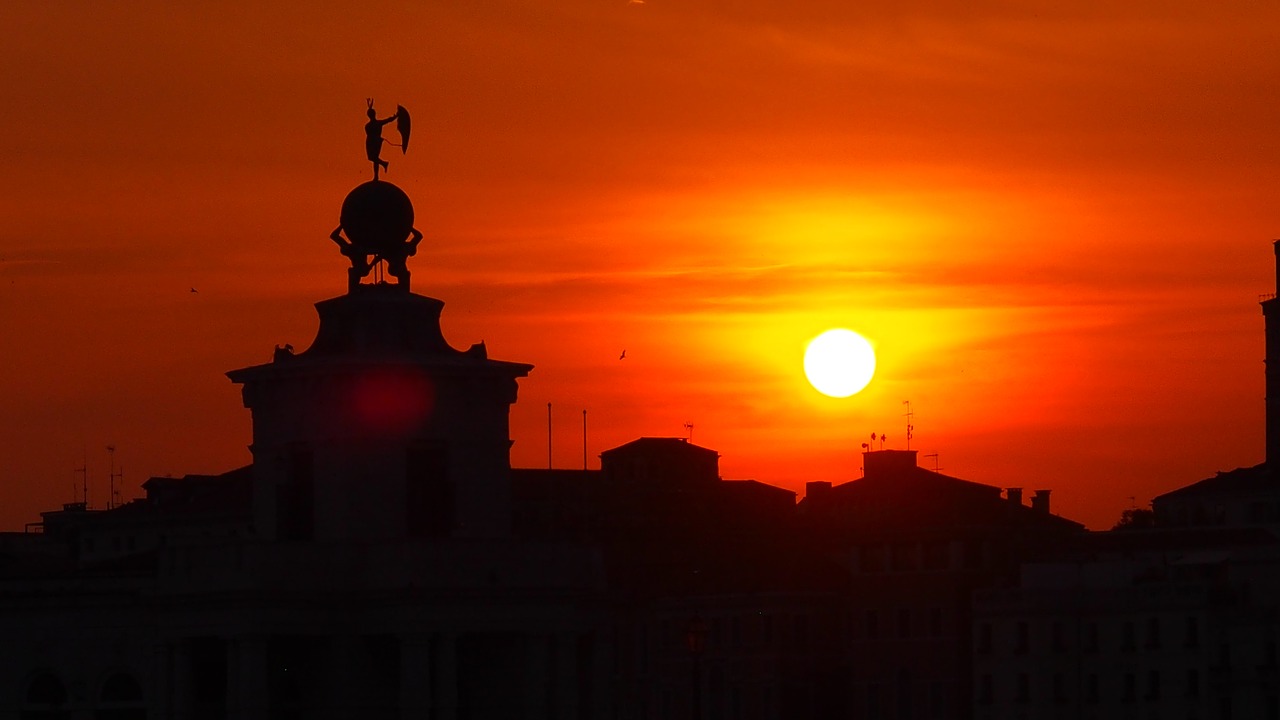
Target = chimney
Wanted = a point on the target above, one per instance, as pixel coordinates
(1014, 495)
(1271, 320)
(816, 491)
(1040, 501)
(887, 463)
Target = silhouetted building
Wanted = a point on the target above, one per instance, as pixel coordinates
(1141, 623)
(363, 565)
(1271, 315)
(917, 544)
(380, 558)
(1178, 620)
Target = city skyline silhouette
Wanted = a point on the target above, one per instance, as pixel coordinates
(329, 493)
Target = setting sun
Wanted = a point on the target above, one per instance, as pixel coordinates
(839, 363)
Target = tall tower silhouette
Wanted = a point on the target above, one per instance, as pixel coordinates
(380, 430)
(1271, 315)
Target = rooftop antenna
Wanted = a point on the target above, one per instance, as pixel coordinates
(113, 496)
(935, 460)
(83, 471)
(910, 416)
(689, 428)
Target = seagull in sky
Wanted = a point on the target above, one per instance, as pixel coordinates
(623, 356)
(194, 290)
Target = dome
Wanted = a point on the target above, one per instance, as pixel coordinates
(378, 216)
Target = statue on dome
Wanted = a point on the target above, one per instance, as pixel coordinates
(376, 224)
(363, 258)
(373, 135)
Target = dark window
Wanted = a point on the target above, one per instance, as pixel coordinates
(1024, 688)
(1192, 640)
(973, 554)
(904, 557)
(1022, 638)
(873, 701)
(121, 688)
(904, 695)
(295, 498)
(1128, 637)
(1153, 633)
(936, 556)
(1091, 688)
(642, 648)
(1130, 687)
(46, 691)
(802, 631)
(207, 673)
(1193, 683)
(984, 638)
(872, 558)
(1091, 637)
(1059, 639)
(985, 694)
(1059, 689)
(937, 700)
(429, 499)
(1153, 685)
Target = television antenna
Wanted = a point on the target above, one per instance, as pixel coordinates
(909, 416)
(935, 460)
(113, 494)
(83, 472)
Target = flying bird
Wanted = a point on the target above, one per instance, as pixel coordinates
(623, 356)
(194, 290)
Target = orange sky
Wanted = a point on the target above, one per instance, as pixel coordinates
(1053, 225)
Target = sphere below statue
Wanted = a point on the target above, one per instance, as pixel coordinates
(377, 216)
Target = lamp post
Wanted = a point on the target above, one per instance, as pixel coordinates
(695, 639)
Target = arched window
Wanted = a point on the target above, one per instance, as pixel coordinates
(45, 698)
(120, 699)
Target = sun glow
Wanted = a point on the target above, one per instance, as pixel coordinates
(839, 363)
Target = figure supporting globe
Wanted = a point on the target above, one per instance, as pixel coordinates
(377, 218)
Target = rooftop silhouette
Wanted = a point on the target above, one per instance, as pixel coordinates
(381, 557)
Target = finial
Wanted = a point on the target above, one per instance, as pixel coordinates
(376, 224)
